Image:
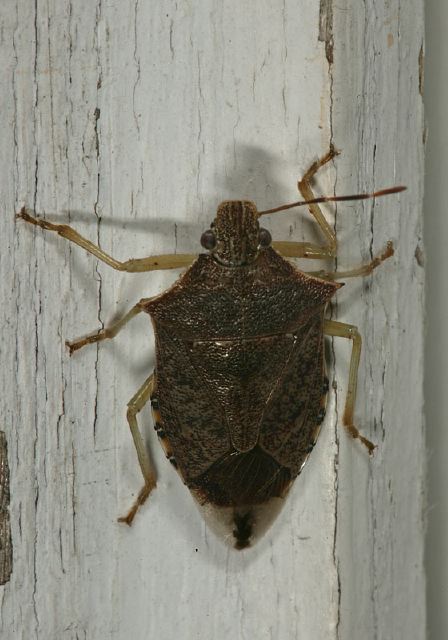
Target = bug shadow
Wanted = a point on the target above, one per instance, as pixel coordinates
(260, 176)
(256, 175)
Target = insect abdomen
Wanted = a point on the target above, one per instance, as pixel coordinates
(238, 479)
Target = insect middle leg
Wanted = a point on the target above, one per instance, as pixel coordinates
(342, 330)
(109, 332)
(135, 405)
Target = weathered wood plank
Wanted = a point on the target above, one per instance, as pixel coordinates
(5, 524)
(381, 504)
(132, 121)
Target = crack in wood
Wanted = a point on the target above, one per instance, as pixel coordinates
(421, 69)
(5, 524)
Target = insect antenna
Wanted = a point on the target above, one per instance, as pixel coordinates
(358, 196)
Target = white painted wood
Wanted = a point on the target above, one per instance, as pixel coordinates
(378, 121)
(436, 373)
(132, 121)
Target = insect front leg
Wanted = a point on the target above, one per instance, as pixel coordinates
(363, 270)
(342, 330)
(135, 405)
(134, 265)
(304, 186)
(307, 249)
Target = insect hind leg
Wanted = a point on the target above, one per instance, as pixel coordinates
(342, 330)
(135, 405)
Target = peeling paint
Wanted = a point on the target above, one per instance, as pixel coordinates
(5, 525)
(419, 256)
(326, 27)
(421, 69)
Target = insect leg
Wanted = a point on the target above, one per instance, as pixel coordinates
(342, 330)
(108, 333)
(135, 405)
(304, 186)
(363, 270)
(151, 263)
(300, 250)
(104, 334)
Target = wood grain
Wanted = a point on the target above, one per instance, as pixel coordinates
(5, 524)
(131, 121)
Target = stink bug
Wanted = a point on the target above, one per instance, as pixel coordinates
(239, 390)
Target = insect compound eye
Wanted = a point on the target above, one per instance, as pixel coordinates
(264, 238)
(208, 240)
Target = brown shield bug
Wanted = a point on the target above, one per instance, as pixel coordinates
(239, 390)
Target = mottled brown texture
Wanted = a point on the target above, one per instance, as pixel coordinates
(239, 375)
(214, 302)
(242, 479)
(236, 231)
